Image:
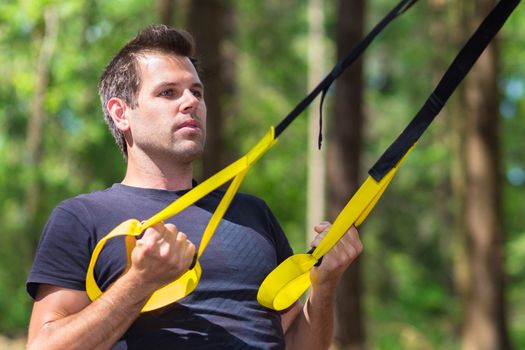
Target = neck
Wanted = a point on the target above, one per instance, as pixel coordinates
(166, 175)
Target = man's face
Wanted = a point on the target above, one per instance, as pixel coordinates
(169, 122)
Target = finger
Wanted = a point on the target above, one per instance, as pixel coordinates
(171, 228)
(315, 242)
(347, 249)
(156, 231)
(349, 245)
(322, 226)
(353, 233)
(170, 233)
(185, 249)
(180, 244)
(181, 236)
(190, 255)
(148, 241)
(355, 240)
(317, 239)
(173, 245)
(152, 237)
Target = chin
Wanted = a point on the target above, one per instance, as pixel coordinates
(189, 154)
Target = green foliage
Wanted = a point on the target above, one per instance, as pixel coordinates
(409, 239)
(271, 79)
(77, 152)
(512, 108)
(408, 262)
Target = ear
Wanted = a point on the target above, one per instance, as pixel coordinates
(117, 110)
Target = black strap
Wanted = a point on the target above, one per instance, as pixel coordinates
(448, 83)
(342, 65)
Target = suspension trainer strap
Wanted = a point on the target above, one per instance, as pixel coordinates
(340, 67)
(286, 283)
(448, 83)
(133, 228)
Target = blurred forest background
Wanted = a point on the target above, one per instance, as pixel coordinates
(443, 266)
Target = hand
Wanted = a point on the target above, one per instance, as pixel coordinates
(337, 259)
(161, 256)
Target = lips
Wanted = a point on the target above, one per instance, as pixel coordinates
(190, 123)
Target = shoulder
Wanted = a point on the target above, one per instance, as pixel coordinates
(95, 198)
(84, 200)
(251, 200)
(94, 203)
(76, 213)
(77, 218)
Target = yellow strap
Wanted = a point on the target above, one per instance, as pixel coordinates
(288, 281)
(221, 209)
(132, 228)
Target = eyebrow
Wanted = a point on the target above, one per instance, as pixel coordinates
(175, 84)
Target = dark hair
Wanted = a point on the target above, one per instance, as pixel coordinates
(121, 77)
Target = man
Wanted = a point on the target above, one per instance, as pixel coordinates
(153, 101)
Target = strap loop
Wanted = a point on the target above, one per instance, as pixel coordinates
(288, 281)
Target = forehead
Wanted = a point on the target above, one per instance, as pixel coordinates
(156, 68)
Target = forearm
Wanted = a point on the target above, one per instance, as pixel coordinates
(100, 324)
(313, 327)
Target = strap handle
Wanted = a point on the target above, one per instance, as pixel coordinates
(288, 281)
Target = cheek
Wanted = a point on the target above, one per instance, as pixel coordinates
(149, 121)
(201, 113)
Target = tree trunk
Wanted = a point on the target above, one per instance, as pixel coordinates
(344, 166)
(458, 171)
(484, 324)
(210, 22)
(315, 211)
(166, 10)
(36, 120)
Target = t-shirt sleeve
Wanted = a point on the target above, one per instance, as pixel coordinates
(282, 245)
(63, 252)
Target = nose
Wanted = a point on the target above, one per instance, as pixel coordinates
(189, 101)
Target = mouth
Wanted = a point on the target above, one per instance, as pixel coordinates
(191, 123)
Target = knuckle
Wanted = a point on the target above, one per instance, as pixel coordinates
(352, 252)
(148, 232)
(171, 227)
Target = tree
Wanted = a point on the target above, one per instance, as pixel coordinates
(344, 158)
(166, 9)
(37, 117)
(210, 23)
(484, 302)
(315, 206)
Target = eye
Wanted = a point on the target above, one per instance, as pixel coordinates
(166, 93)
(197, 93)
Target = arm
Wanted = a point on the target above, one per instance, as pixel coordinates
(66, 319)
(311, 327)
